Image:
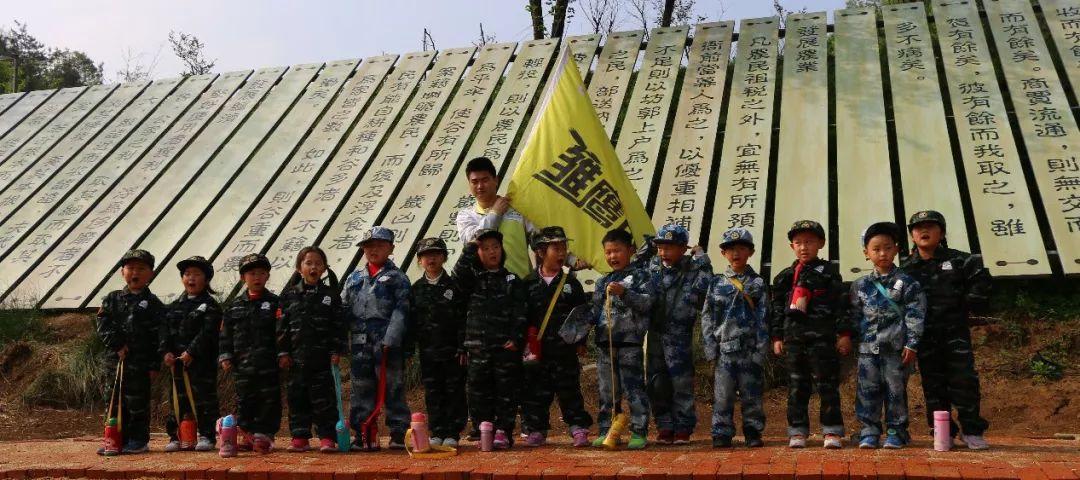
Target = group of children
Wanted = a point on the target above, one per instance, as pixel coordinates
(493, 345)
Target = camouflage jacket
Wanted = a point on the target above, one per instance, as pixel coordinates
(311, 326)
(629, 313)
(733, 320)
(680, 290)
(497, 302)
(437, 314)
(896, 321)
(540, 294)
(249, 332)
(132, 320)
(378, 306)
(955, 284)
(191, 325)
(826, 311)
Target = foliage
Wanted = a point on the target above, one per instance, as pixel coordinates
(37, 67)
(189, 49)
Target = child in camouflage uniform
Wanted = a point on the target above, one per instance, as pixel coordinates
(681, 283)
(376, 297)
(248, 343)
(735, 334)
(189, 343)
(809, 326)
(619, 333)
(889, 307)
(437, 324)
(494, 330)
(128, 322)
(311, 339)
(552, 294)
(956, 284)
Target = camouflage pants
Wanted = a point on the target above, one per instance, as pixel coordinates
(204, 389)
(364, 370)
(949, 379)
(738, 376)
(557, 375)
(670, 380)
(882, 380)
(813, 363)
(312, 399)
(444, 391)
(135, 398)
(494, 377)
(629, 382)
(258, 402)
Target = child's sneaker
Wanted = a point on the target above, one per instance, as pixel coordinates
(397, 441)
(974, 442)
(204, 444)
(299, 445)
(502, 442)
(893, 441)
(868, 442)
(133, 447)
(327, 445)
(665, 437)
(435, 441)
(637, 442)
(833, 441)
(581, 437)
(721, 441)
(450, 442)
(247, 442)
(682, 438)
(796, 441)
(535, 439)
(263, 444)
(172, 446)
(754, 441)
(599, 441)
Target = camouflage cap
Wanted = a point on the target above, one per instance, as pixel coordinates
(253, 260)
(487, 232)
(548, 235)
(883, 228)
(925, 216)
(805, 226)
(377, 233)
(137, 255)
(735, 236)
(198, 262)
(672, 234)
(431, 244)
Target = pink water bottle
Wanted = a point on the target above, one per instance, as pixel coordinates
(487, 437)
(421, 441)
(942, 435)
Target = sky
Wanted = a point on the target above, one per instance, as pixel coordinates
(243, 34)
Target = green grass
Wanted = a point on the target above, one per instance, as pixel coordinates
(25, 325)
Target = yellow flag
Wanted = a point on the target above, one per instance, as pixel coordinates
(569, 175)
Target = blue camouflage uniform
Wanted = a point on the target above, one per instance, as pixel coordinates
(680, 293)
(735, 335)
(628, 323)
(377, 309)
(887, 325)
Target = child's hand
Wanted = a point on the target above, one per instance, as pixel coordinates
(169, 359)
(908, 357)
(580, 264)
(186, 358)
(463, 359)
(284, 362)
(226, 365)
(334, 359)
(843, 345)
(509, 345)
(122, 353)
(778, 347)
(616, 288)
(697, 250)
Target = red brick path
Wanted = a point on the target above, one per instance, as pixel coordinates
(1010, 459)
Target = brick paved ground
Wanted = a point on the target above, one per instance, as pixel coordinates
(1011, 458)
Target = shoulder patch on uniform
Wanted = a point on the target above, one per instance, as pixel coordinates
(449, 294)
(898, 285)
(820, 268)
(326, 300)
(144, 304)
(628, 280)
(946, 265)
(266, 305)
(201, 308)
(384, 278)
(566, 289)
(511, 277)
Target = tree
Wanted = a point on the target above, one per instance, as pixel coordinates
(189, 49)
(602, 15)
(484, 38)
(558, 22)
(666, 10)
(536, 14)
(36, 67)
(69, 68)
(133, 69)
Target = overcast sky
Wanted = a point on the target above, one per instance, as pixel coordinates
(243, 34)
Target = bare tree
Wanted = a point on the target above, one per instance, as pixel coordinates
(189, 49)
(667, 7)
(602, 15)
(428, 40)
(134, 69)
(484, 38)
(641, 13)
